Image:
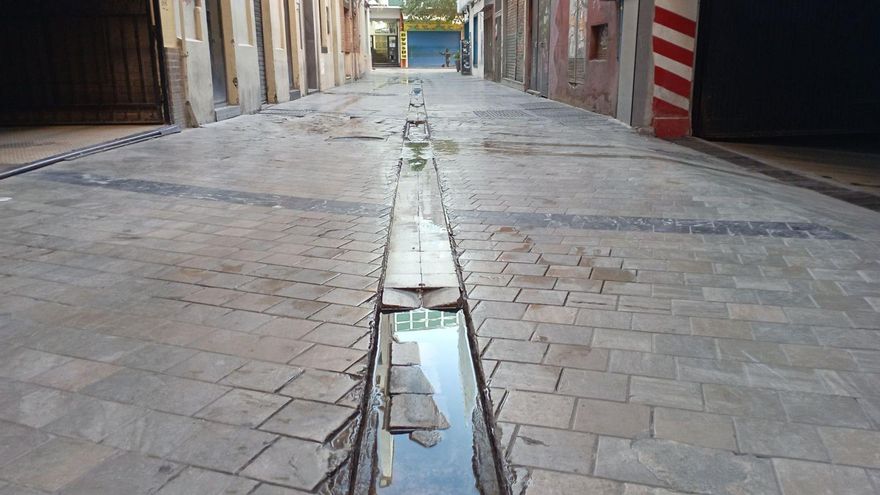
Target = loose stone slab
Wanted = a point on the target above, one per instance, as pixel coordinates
(426, 438)
(400, 299)
(409, 380)
(405, 353)
(446, 298)
(416, 412)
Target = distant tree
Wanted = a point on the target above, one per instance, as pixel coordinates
(430, 10)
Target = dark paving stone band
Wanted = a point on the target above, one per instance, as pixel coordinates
(648, 224)
(216, 194)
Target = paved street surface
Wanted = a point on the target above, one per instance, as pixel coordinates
(191, 314)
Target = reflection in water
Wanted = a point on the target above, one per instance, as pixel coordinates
(405, 465)
(415, 155)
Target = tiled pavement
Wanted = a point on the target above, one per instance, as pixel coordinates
(654, 321)
(189, 315)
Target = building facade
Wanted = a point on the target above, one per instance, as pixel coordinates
(184, 62)
(679, 67)
(236, 55)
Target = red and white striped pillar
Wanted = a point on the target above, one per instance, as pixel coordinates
(674, 41)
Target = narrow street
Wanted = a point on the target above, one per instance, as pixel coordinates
(197, 314)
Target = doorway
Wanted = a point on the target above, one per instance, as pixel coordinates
(308, 17)
(218, 51)
(291, 52)
(488, 43)
(385, 50)
(540, 40)
(383, 42)
(497, 44)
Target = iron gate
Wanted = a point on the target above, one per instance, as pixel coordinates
(81, 61)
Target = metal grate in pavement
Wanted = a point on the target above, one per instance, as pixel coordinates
(501, 114)
(543, 106)
(290, 112)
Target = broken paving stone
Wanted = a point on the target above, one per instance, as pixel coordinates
(405, 353)
(445, 298)
(416, 412)
(409, 380)
(426, 438)
(400, 299)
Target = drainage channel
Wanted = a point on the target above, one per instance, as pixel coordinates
(425, 427)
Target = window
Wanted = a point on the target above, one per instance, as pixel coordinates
(577, 39)
(599, 42)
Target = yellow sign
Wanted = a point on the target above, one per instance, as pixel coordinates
(403, 46)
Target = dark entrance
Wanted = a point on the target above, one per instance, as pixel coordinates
(489, 46)
(497, 36)
(218, 51)
(539, 35)
(308, 19)
(787, 68)
(79, 61)
(291, 52)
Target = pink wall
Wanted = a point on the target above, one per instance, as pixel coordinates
(598, 92)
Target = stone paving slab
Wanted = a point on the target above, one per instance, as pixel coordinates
(191, 314)
(712, 331)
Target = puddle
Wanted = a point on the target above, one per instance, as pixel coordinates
(430, 434)
(424, 427)
(446, 146)
(416, 154)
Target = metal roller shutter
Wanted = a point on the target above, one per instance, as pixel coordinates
(261, 54)
(514, 39)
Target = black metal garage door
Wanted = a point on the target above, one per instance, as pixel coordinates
(80, 61)
(787, 67)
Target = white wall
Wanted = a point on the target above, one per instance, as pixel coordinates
(194, 42)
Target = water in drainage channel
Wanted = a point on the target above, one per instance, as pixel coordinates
(425, 428)
(431, 435)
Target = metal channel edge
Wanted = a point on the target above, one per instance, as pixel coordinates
(90, 150)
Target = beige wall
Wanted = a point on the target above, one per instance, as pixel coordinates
(184, 26)
(193, 38)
